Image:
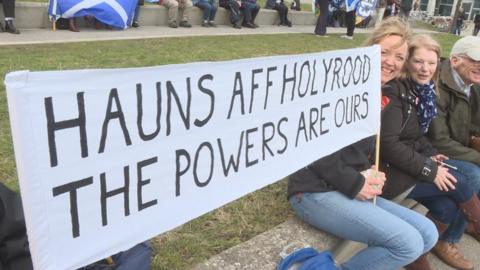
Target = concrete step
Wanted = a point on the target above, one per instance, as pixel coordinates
(262, 251)
(35, 15)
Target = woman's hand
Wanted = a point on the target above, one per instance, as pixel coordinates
(439, 158)
(444, 180)
(374, 181)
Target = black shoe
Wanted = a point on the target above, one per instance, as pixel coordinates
(185, 24)
(135, 24)
(249, 25)
(205, 24)
(289, 24)
(237, 26)
(10, 28)
(255, 25)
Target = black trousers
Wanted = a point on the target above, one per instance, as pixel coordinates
(350, 21)
(234, 8)
(321, 28)
(282, 12)
(8, 8)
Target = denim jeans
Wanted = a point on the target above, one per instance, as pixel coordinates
(250, 11)
(137, 257)
(395, 235)
(443, 206)
(209, 9)
(457, 226)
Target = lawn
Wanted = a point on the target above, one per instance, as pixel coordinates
(225, 227)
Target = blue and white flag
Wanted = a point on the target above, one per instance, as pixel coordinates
(365, 9)
(351, 4)
(116, 13)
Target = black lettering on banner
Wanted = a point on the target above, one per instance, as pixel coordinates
(358, 65)
(269, 83)
(336, 71)
(109, 115)
(356, 102)
(301, 127)
(72, 188)
(342, 110)
(289, 80)
(195, 164)
(254, 86)
(231, 161)
(237, 91)
(104, 194)
(141, 132)
(249, 146)
(179, 172)
(265, 140)
(142, 182)
(312, 91)
(201, 123)
(366, 60)
(349, 60)
(284, 137)
(313, 121)
(185, 115)
(365, 99)
(53, 126)
(327, 70)
(322, 118)
(307, 65)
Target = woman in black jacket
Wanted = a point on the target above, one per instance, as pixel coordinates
(333, 193)
(408, 159)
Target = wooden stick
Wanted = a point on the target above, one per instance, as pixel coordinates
(377, 160)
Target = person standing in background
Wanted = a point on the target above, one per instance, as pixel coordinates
(9, 13)
(321, 27)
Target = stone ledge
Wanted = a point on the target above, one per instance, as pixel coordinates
(262, 251)
(35, 15)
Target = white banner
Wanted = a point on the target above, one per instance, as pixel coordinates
(109, 158)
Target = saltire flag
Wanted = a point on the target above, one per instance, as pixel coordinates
(351, 4)
(364, 9)
(116, 13)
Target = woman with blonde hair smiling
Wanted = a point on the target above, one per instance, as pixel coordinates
(334, 193)
(408, 158)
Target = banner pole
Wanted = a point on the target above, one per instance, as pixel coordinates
(377, 160)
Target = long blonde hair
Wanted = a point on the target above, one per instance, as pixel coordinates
(389, 27)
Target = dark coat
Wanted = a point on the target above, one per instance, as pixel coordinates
(14, 248)
(458, 118)
(405, 153)
(339, 171)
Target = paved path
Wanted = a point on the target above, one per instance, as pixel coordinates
(42, 36)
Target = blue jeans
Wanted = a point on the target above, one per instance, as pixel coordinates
(250, 11)
(137, 257)
(395, 235)
(209, 10)
(455, 231)
(443, 206)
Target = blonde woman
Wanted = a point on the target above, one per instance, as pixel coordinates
(333, 193)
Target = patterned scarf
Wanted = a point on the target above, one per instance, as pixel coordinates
(426, 109)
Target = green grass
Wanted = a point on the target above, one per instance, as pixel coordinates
(225, 227)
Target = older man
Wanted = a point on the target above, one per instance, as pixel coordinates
(455, 132)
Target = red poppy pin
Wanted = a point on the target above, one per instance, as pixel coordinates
(385, 101)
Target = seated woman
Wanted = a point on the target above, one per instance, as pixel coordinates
(333, 193)
(209, 9)
(408, 158)
(279, 5)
